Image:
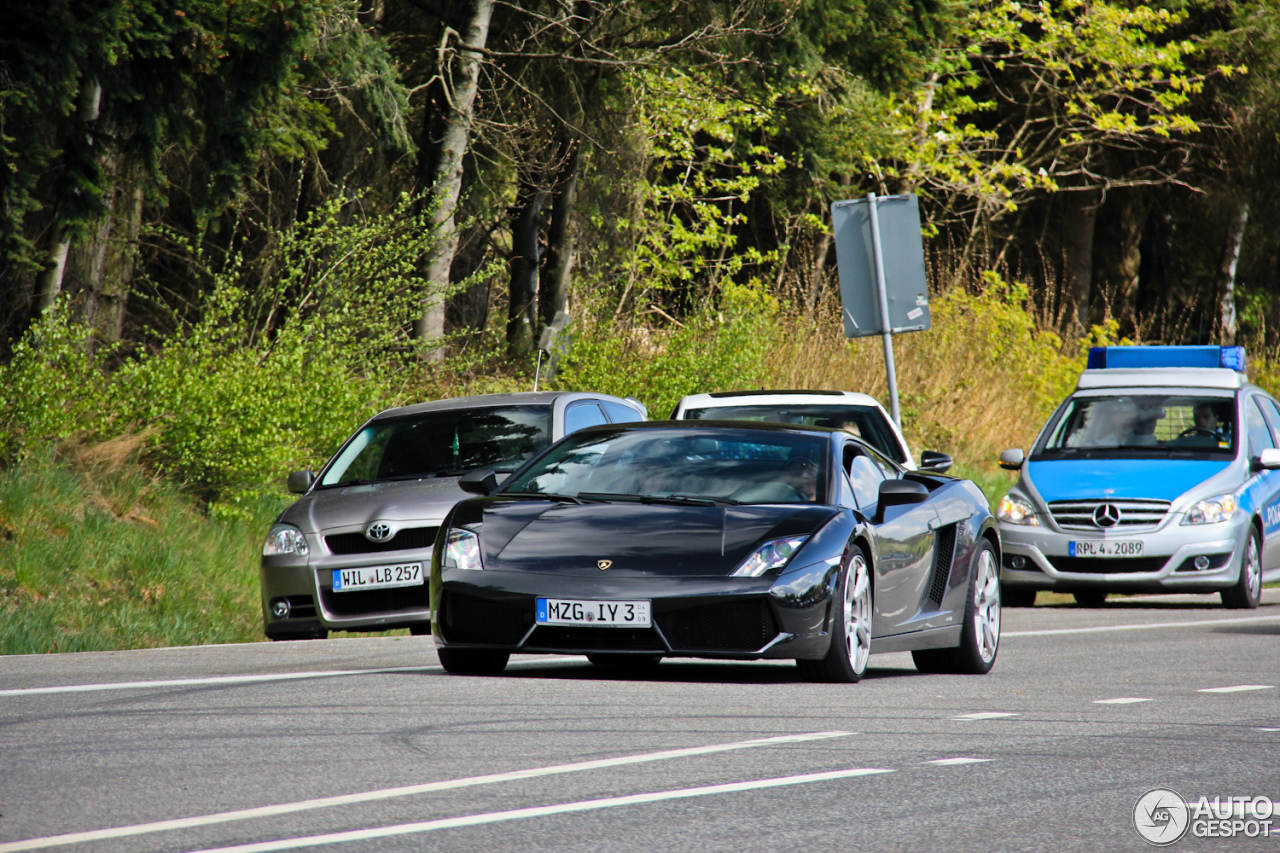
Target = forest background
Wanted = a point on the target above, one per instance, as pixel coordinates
(230, 230)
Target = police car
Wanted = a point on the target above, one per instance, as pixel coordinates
(1158, 474)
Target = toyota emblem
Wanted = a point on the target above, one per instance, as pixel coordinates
(379, 531)
(1106, 515)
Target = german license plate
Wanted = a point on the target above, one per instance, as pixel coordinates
(606, 614)
(377, 577)
(1105, 548)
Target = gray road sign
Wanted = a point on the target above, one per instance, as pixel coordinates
(902, 251)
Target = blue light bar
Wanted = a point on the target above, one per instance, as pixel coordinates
(1202, 356)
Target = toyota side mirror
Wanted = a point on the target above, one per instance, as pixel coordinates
(1011, 460)
(482, 481)
(300, 481)
(932, 460)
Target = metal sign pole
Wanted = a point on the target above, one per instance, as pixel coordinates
(882, 292)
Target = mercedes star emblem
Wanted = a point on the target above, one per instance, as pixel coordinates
(1106, 515)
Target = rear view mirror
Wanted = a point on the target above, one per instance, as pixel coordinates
(900, 492)
(482, 481)
(932, 460)
(300, 481)
(1011, 460)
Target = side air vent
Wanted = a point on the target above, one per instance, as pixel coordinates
(944, 550)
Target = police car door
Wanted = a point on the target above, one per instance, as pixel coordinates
(1268, 482)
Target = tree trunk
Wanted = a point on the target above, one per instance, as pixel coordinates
(50, 283)
(1118, 254)
(1227, 274)
(553, 294)
(526, 233)
(442, 159)
(1079, 220)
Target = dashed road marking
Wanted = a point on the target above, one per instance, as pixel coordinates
(408, 790)
(541, 811)
(984, 715)
(946, 762)
(1239, 688)
(1120, 700)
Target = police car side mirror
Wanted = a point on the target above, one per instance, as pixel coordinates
(1011, 460)
(479, 482)
(300, 481)
(1268, 460)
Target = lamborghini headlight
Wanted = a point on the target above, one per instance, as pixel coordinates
(1017, 510)
(1211, 510)
(773, 554)
(462, 550)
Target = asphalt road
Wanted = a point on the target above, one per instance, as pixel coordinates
(366, 745)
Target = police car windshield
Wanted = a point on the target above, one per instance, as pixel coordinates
(1144, 424)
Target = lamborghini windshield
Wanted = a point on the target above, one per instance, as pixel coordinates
(712, 465)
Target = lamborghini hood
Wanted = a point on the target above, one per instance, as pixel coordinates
(632, 539)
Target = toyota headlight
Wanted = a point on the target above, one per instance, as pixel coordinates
(773, 554)
(1212, 510)
(1016, 510)
(462, 550)
(285, 539)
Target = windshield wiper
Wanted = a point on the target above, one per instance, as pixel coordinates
(689, 500)
(569, 499)
(608, 496)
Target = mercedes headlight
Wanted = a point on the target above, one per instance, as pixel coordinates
(773, 554)
(1017, 510)
(462, 550)
(1212, 510)
(285, 539)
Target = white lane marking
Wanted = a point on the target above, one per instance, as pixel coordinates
(407, 790)
(1268, 730)
(541, 811)
(1121, 700)
(947, 762)
(230, 679)
(1101, 629)
(984, 715)
(1239, 688)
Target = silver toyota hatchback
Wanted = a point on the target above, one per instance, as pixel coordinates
(352, 553)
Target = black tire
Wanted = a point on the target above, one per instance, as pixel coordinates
(1089, 598)
(851, 618)
(1017, 596)
(1247, 592)
(473, 661)
(980, 631)
(420, 629)
(624, 661)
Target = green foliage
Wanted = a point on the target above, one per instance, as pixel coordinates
(703, 167)
(715, 349)
(100, 556)
(291, 351)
